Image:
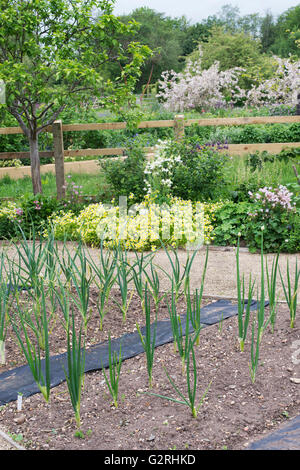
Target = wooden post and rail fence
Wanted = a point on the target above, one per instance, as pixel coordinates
(91, 166)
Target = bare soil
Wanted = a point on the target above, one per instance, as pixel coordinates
(234, 413)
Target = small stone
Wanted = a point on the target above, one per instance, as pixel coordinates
(151, 438)
(20, 419)
(295, 380)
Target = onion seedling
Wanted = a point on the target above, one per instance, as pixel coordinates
(154, 286)
(261, 322)
(138, 271)
(105, 270)
(104, 278)
(115, 364)
(32, 353)
(177, 277)
(190, 399)
(291, 291)
(63, 298)
(76, 364)
(31, 259)
(243, 321)
(66, 261)
(6, 298)
(194, 311)
(271, 281)
(194, 307)
(51, 273)
(180, 344)
(147, 341)
(123, 279)
(51, 261)
(81, 280)
(254, 351)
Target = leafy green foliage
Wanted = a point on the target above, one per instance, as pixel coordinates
(127, 177)
(199, 176)
(230, 220)
(52, 55)
(284, 43)
(164, 36)
(235, 49)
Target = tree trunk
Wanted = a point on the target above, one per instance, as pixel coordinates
(35, 165)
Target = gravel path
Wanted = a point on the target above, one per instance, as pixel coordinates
(220, 278)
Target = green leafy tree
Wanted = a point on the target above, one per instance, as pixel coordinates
(229, 16)
(235, 50)
(250, 24)
(163, 35)
(287, 23)
(52, 56)
(267, 32)
(195, 33)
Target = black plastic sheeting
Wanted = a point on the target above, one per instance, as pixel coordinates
(285, 438)
(20, 380)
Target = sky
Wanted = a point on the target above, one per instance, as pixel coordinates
(197, 10)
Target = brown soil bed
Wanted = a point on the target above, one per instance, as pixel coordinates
(234, 413)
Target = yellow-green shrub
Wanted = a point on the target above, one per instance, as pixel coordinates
(141, 227)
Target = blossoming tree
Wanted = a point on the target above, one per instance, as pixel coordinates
(282, 88)
(195, 87)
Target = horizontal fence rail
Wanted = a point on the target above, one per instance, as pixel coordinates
(233, 149)
(178, 123)
(98, 126)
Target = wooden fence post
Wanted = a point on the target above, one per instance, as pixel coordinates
(178, 127)
(58, 149)
(298, 105)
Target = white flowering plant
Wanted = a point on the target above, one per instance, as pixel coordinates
(159, 171)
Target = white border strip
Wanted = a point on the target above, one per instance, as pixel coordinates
(10, 441)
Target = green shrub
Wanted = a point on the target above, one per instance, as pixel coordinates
(246, 134)
(230, 220)
(127, 177)
(10, 163)
(291, 244)
(36, 211)
(32, 211)
(199, 176)
(11, 215)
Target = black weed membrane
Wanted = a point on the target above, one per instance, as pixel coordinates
(20, 379)
(287, 437)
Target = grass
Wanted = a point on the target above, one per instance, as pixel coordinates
(9, 188)
(271, 173)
